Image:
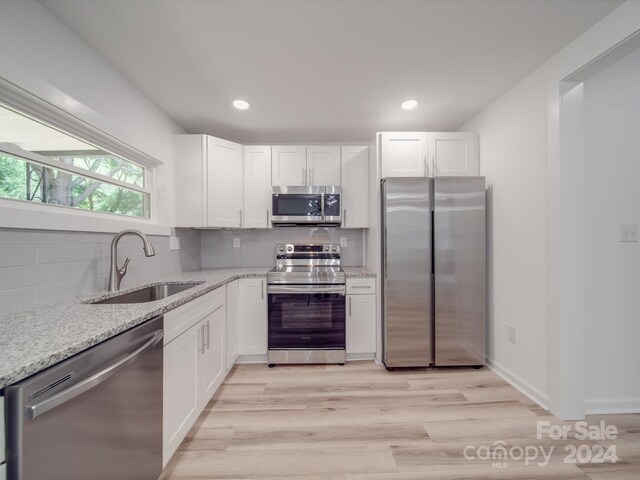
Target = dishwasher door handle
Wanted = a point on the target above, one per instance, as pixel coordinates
(58, 399)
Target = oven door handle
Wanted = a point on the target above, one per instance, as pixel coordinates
(339, 289)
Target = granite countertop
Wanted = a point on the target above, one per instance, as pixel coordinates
(36, 338)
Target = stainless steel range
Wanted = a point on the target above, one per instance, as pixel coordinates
(307, 315)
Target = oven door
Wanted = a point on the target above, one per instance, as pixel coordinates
(296, 205)
(306, 317)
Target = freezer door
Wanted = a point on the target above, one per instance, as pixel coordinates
(407, 272)
(460, 271)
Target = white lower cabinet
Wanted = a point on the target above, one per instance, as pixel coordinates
(252, 313)
(233, 303)
(2, 437)
(194, 364)
(361, 322)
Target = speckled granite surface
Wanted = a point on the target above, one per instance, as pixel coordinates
(358, 272)
(34, 339)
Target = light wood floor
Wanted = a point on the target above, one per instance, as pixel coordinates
(361, 422)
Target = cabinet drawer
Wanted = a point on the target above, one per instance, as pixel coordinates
(179, 320)
(361, 286)
(3, 435)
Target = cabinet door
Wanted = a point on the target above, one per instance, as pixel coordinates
(361, 324)
(253, 316)
(232, 323)
(404, 154)
(288, 166)
(180, 392)
(323, 166)
(257, 187)
(454, 153)
(224, 183)
(190, 180)
(355, 187)
(212, 361)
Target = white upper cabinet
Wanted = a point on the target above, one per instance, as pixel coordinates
(257, 187)
(224, 183)
(208, 182)
(190, 180)
(295, 165)
(355, 187)
(288, 166)
(453, 153)
(404, 154)
(422, 154)
(323, 166)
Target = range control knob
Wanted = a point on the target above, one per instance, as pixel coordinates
(290, 248)
(325, 248)
(335, 248)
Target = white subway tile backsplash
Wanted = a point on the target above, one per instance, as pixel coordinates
(37, 267)
(16, 255)
(16, 299)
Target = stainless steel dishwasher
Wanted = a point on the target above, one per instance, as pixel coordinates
(97, 415)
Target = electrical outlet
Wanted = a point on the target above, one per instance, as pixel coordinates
(343, 242)
(174, 243)
(511, 334)
(236, 243)
(629, 233)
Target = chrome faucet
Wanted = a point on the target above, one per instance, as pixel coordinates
(115, 273)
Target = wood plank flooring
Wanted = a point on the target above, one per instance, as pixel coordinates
(362, 422)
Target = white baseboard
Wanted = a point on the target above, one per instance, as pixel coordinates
(606, 406)
(525, 388)
(352, 357)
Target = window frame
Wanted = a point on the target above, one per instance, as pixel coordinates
(23, 214)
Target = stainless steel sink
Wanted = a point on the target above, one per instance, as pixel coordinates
(149, 294)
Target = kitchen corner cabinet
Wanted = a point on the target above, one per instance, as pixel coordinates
(208, 178)
(233, 304)
(295, 165)
(257, 187)
(252, 312)
(428, 154)
(194, 364)
(361, 316)
(355, 187)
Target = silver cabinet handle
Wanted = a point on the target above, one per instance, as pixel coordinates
(360, 286)
(304, 175)
(240, 217)
(311, 176)
(344, 220)
(201, 333)
(426, 167)
(262, 289)
(349, 306)
(433, 165)
(267, 217)
(208, 335)
(55, 401)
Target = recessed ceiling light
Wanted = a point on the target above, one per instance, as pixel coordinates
(241, 104)
(409, 104)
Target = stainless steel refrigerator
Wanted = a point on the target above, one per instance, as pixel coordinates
(434, 271)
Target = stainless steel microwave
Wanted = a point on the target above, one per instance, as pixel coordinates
(306, 206)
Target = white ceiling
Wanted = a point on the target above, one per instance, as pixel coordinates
(324, 70)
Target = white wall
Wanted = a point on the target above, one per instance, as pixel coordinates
(40, 54)
(612, 180)
(534, 231)
(513, 147)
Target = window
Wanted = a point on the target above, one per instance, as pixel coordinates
(42, 164)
